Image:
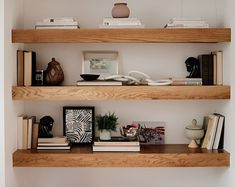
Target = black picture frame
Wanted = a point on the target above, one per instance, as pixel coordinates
(79, 124)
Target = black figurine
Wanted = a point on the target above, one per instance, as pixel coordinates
(45, 126)
(192, 65)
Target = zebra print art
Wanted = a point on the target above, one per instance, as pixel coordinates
(79, 124)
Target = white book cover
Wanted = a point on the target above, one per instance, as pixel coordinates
(119, 19)
(53, 144)
(56, 27)
(61, 19)
(215, 119)
(20, 132)
(218, 132)
(99, 83)
(121, 26)
(219, 63)
(25, 133)
(52, 140)
(188, 25)
(189, 22)
(116, 148)
(186, 19)
(54, 148)
(73, 23)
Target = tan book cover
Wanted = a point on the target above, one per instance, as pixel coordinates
(20, 68)
(35, 135)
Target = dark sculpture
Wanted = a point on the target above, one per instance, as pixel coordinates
(192, 65)
(45, 126)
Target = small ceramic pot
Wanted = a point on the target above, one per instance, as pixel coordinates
(194, 132)
(105, 135)
(120, 10)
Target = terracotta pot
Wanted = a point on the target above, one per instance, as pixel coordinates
(120, 10)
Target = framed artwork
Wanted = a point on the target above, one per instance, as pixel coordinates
(79, 124)
(151, 132)
(103, 63)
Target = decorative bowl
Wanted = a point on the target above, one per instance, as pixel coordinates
(89, 77)
(194, 132)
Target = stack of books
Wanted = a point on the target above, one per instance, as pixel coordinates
(27, 132)
(184, 22)
(211, 68)
(186, 81)
(116, 144)
(121, 23)
(57, 23)
(99, 83)
(55, 143)
(26, 68)
(214, 131)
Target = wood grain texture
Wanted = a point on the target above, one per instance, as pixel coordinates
(120, 92)
(150, 156)
(148, 35)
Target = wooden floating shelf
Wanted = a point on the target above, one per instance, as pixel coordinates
(149, 156)
(148, 35)
(119, 92)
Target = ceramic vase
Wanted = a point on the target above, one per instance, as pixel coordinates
(120, 10)
(105, 135)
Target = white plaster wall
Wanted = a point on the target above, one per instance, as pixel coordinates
(13, 19)
(158, 60)
(2, 134)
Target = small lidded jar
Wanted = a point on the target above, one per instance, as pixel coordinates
(120, 10)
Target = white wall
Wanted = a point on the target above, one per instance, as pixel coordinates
(2, 134)
(13, 19)
(158, 60)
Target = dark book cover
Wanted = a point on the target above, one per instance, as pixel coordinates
(221, 141)
(20, 68)
(207, 69)
(34, 68)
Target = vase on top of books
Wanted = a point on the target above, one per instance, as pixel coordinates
(120, 10)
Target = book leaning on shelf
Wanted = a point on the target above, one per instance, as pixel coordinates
(214, 132)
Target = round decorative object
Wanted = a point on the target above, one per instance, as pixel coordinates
(54, 73)
(120, 10)
(194, 132)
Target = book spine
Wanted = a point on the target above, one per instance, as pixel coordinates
(206, 69)
(35, 135)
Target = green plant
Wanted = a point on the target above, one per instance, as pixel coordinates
(107, 121)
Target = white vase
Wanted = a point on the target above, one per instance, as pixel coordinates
(105, 135)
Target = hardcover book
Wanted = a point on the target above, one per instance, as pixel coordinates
(206, 69)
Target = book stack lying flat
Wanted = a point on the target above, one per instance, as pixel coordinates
(99, 83)
(55, 143)
(116, 144)
(186, 81)
(121, 23)
(184, 22)
(57, 23)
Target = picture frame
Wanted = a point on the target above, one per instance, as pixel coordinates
(79, 124)
(103, 63)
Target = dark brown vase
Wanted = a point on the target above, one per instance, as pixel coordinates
(54, 73)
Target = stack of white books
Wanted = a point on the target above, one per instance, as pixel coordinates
(116, 144)
(121, 23)
(57, 23)
(185, 22)
(55, 143)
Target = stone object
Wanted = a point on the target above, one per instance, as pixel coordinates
(120, 10)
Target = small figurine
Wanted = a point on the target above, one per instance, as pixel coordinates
(192, 65)
(45, 126)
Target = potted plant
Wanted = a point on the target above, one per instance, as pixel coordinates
(106, 123)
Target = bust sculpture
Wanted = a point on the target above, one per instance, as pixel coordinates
(193, 67)
(45, 126)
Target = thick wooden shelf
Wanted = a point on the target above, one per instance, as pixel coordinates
(150, 156)
(120, 92)
(148, 35)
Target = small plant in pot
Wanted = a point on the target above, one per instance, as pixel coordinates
(106, 123)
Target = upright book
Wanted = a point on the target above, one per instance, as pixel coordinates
(20, 68)
(206, 69)
(29, 68)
